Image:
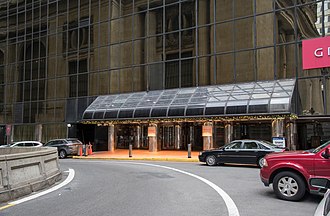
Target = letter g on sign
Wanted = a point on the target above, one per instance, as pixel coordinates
(318, 52)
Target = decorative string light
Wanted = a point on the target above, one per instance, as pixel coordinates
(190, 119)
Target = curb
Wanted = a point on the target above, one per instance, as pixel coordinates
(131, 158)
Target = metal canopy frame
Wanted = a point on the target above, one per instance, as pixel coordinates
(254, 98)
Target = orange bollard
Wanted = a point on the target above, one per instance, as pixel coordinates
(90, 150)
(80, 153)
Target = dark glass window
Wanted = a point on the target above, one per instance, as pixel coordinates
(2, 81)
(78, 78)
(77, 36)
(172, 73)
(32, 74)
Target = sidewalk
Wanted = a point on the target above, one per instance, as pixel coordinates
(123, 154)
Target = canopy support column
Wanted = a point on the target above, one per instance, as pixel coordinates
(111, 138)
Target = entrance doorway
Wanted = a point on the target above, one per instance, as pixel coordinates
(167, 137)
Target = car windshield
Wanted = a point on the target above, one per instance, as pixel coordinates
(269, 143)
(321, 147)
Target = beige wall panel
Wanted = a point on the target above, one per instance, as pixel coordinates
(138, 79)
(244, 7)
(224, 9)
(94, 84)
(101, 60)
(225, 69)
(264, 6)
(61, 88)
(264, 30)
(114, 81)
(265, 64)
(245, 66)
(225, 37)
(103, 83)
(126, 54)
(126, 80)
(244, 38)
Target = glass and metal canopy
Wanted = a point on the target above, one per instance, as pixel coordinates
(266, 97)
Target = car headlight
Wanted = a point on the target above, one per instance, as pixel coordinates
(264, 162)
(200, 153)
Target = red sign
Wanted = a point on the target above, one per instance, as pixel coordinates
(151, 131)
(316, 53)
(207, 130)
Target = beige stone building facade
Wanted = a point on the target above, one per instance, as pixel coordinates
(58, 57)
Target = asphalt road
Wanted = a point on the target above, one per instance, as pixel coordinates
(140, 188)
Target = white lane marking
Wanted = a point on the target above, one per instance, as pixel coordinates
(65, 182)
(231, 206)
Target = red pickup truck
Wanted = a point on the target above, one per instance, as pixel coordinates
(290, 172)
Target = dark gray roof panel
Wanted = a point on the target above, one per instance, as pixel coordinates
(264, 97)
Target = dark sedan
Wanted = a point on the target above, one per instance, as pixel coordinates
(239, 151)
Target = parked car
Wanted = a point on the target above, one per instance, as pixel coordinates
(24, 144)
(290, 172)
(239, 151)
(323, 209)
(65, 147)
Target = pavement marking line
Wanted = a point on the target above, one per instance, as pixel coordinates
(65, 182)
(231, 206)
(6, 206)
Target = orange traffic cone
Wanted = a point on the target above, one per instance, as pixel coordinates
(90, 150)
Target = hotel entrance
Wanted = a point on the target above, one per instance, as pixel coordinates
(167, 137)
(178, 136)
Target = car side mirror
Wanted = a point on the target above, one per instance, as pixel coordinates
(326, 153)
(320, 183)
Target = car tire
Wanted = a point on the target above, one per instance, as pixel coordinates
(211, 160)
(289, 186)
(260, 161)
(62, 154)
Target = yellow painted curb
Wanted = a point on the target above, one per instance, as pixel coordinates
(132, 158)
(6, 206)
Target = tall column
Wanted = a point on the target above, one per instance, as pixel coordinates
(111, 138)
(291, 131)
(178, 132)
(38, 132)
(229, 130)
(207, 133)
(153, 138)
(278, 128)
(137, 143)
(203, 44)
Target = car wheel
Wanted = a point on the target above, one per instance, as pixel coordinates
(260, 162)
(211, 160)
(289, 186)
(62, 154)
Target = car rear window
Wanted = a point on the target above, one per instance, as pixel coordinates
(73, 141)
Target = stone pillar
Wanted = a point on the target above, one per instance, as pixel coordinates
(278, 128)
(207, 133)
(178, 132)
(38, 132)
(111, 138)
(291, 131)
(153, 138)
(137, 143)
(229, 130)
(203, 44)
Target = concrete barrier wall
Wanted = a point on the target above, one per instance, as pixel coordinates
(25, 170)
